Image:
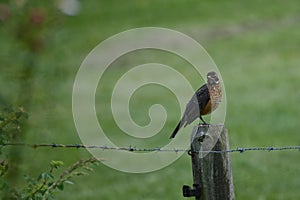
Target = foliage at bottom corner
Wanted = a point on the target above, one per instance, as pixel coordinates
(47, 183)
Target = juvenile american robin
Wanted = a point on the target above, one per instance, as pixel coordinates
(205, 100)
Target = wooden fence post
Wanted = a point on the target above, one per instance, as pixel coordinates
(211, 171)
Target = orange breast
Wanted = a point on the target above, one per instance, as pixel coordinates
(215, 93)
(207, 109)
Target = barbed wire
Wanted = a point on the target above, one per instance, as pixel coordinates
(157, 149)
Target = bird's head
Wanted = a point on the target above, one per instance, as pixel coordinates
(212, 78)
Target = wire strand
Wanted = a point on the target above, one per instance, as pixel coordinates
(157, 149)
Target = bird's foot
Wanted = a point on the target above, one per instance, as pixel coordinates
(204, 124)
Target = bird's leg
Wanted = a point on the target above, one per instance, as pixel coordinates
(204, 122)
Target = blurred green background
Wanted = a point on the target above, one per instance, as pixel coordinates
(255, 44)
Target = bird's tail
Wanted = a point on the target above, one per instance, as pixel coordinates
(179, 125)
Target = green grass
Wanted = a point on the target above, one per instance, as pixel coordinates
(255, 44)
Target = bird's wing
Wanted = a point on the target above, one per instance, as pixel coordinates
(196, 104)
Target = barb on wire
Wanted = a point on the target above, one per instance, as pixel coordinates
(157, 149)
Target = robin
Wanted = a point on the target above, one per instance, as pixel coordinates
(205, 100)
